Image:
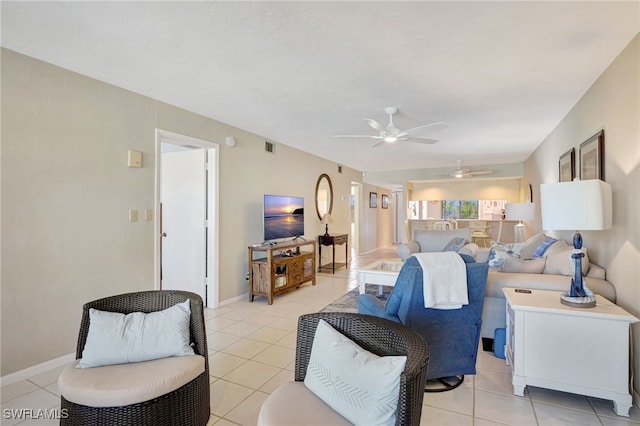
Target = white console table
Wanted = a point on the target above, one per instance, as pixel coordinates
(578, 350)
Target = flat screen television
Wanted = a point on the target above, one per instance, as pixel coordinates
(283, 217)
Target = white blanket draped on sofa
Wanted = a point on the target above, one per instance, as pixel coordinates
(444, 279)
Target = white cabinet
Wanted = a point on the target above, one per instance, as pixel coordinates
(578, 350)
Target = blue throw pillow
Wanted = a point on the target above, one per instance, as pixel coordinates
(455, 244)
(499, 252)
(543, 246)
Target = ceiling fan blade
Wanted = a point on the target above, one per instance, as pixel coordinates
(481, 172)
(355, 136)
(439, 124)
(377, 143)
(419, 140)
(373, 123)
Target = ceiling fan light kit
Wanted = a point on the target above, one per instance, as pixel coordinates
(461, 173)
(391, 134)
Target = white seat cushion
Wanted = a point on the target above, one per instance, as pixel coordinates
(126, 384)
(293, 404)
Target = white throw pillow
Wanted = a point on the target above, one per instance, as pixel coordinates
(361, 386)
(116, 338)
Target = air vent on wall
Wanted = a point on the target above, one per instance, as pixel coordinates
(269, 147)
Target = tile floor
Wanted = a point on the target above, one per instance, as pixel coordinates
(251, 351)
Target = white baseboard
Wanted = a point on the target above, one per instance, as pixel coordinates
(36, 369)
(234, 299)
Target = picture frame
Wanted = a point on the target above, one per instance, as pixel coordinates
(592, 157)
(566, 166)
(385, 201)
(373, 200)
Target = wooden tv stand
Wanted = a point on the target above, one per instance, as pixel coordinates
(279, 272)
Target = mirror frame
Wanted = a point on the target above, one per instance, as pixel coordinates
(328, 179)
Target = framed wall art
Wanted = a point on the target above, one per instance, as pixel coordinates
(592, 157)
(385, 201)
(567, 171)
(373, 200)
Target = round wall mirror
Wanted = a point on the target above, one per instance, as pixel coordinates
(324, 195)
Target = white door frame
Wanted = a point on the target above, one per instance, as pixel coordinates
(212, 207)
(356, 191)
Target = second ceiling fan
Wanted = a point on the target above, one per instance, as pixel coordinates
(391, 134)
(460, 173)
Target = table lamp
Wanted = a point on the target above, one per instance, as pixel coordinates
(519, 212)
(326, 220)
(581, 205)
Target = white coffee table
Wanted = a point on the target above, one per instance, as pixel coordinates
(577, 350)
(381, 272)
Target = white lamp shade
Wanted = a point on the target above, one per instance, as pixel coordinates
(581, 205)
(326, 219)
(519, 211)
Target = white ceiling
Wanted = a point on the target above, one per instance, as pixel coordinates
(501, 75)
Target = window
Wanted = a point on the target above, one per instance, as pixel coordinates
(457, 209)
(460, 209)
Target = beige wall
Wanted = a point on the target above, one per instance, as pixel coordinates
(66, 192)
(475, 189)
(376, 229)
(612, 104)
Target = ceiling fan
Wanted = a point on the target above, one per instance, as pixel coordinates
(391, 133)
(460, 173)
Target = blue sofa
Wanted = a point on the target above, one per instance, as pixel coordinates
(452, 335)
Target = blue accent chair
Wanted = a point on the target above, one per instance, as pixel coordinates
(452, 335)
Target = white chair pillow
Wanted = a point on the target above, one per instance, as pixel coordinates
(362, 387)
(116, 338)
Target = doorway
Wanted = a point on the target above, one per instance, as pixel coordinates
(186, 241)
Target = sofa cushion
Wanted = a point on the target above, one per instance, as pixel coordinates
(522, 266)
(496, 281)
(293, 403)
(126, 384)
(559, 260)
(361, 386)
(432, 240)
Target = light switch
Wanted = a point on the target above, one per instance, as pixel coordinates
(148, 214)
(133, 215)
(134, 159)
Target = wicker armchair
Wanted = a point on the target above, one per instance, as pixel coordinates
(187, 405)
(377, 335)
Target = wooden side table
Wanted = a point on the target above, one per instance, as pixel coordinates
(577, 350)
(333, 241)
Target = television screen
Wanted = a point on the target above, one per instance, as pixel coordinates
(283, 217)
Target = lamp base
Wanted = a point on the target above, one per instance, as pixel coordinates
(578, 302)
(519, 233)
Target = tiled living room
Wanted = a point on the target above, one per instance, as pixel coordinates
(92, 91)
(252, 347)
